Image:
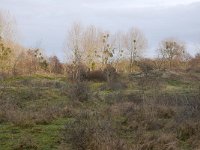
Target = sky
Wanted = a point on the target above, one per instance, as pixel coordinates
(44, 23)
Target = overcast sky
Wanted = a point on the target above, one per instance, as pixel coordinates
(45, 22)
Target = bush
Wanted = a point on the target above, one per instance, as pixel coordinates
(77, 72)
(194, 64)
(187, 130)
(79, 91)
(10, 112)
(89, 131)
(96, 75)
(145, 67)
(165, 112)
(110, 73)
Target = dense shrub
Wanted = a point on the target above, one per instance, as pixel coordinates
(96, 75)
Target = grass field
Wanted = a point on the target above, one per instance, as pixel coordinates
(39, 112)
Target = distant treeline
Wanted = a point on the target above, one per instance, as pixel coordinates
(92, 49)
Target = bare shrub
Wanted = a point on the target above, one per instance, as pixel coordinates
(90, 132)
(20, 118)
(187, 130)
(79, 91)
(135, 97)
(194, 64)
(26, 142)
(165, 112)
(110, 73)
(11, 112)
(121, 108)
(77, 72)
(47, 114)
(145, 67)
(154, 142)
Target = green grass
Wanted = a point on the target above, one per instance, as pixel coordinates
(44, 136)
(28, 97)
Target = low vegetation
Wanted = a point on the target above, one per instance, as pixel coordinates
(40, 112)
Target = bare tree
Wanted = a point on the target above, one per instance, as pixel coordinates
(8, 33)
(135, 43)
(119, 49)
(26, 63)
(170, 50)
(107, 49)
(74, 39)
(74, 45)
(7, 26)
(91, 46)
